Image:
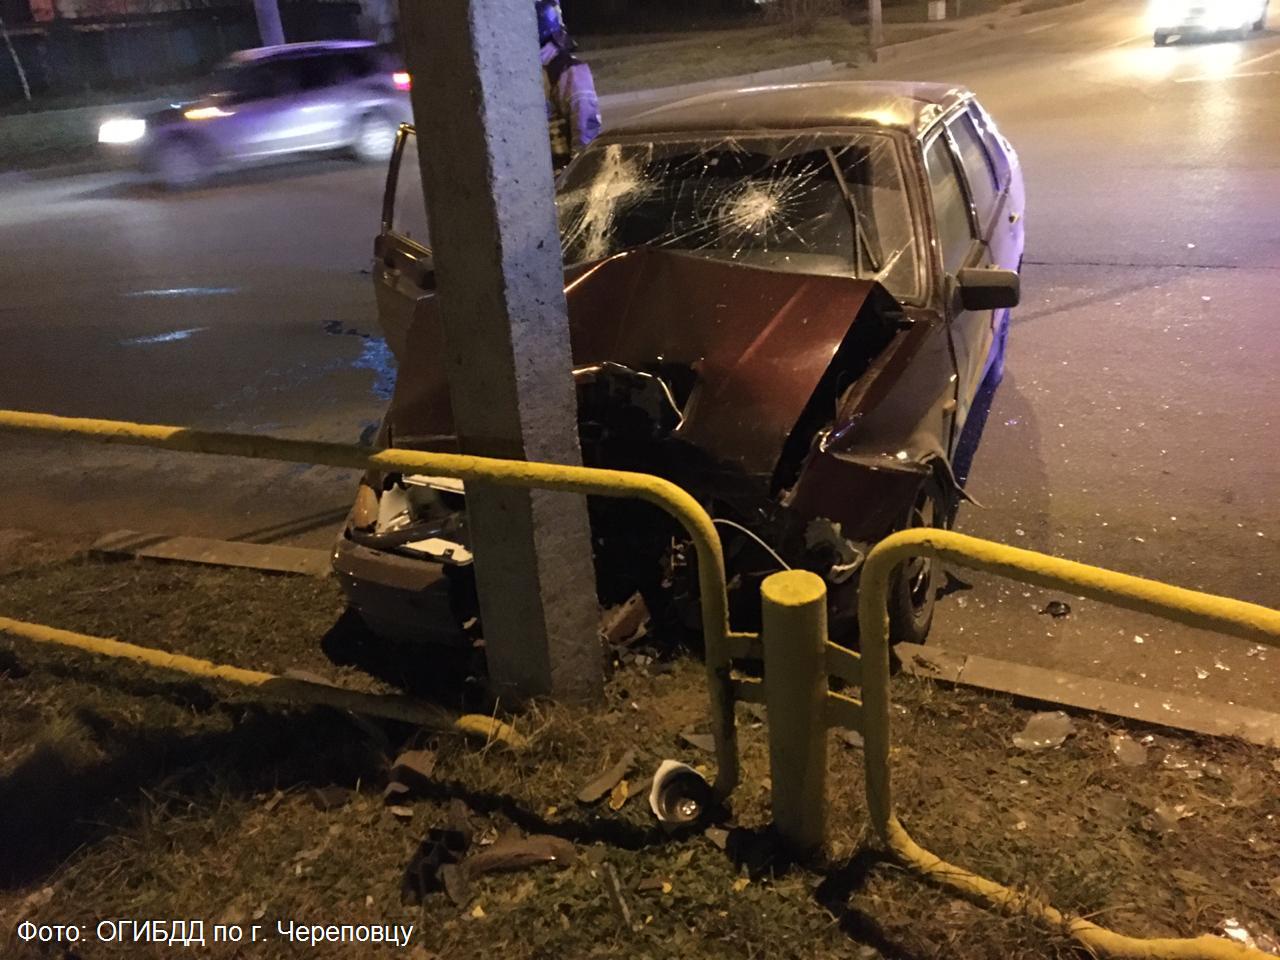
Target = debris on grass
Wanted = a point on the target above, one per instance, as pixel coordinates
(513, 852)
(851, 738)
(424, 874)
(1233, 929)
(412, 769)
(619, 899)
(618, 796)
(599, 787)
(1044, 731)
(1128, 751)
(718, 836)
(699, 741)
(331, 797)
(680, 794)
(127, 793)
(625, 624)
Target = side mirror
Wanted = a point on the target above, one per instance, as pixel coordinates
(988, 288)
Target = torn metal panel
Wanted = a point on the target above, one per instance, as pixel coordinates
(755, 343)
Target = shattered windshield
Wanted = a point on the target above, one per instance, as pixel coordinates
(825, 204)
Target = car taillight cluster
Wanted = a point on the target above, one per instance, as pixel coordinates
(402, 80)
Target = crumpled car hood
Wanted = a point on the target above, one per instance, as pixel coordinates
(758, 340)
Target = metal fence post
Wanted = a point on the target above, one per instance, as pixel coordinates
(794, 633)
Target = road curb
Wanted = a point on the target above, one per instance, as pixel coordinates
(991, 22)
(817, 69)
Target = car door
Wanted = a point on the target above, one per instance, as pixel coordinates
(402, 271)
(261, 118)
(320, 113)
(999, 228)
(964, 208)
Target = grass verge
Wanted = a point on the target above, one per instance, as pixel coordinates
(131, 794)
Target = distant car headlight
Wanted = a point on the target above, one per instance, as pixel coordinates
(122, 130)
(207, 113)
(1167, 12)
(1235, 12)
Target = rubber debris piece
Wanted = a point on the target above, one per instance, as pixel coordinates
(699, 741)
(413, 768)
(422, 876)
(510, 854)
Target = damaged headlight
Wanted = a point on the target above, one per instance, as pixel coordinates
(421, 515)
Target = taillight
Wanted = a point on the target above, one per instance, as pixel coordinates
(402, 80)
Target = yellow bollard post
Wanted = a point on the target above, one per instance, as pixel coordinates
(794, 633)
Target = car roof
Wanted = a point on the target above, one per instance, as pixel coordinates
(896, 105)
(308, 48)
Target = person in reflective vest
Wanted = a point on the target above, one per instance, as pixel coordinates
(573, 110)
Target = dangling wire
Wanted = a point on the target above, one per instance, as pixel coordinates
(764, 546)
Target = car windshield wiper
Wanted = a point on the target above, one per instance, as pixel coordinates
(861, 242)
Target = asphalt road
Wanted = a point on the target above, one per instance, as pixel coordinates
(1135, 428)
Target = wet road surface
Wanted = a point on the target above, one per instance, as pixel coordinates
(1136, 427)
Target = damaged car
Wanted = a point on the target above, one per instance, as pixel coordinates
(786, 300)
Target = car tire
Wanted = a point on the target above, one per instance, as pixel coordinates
(375, 138)
(1161, 39)
(179, 164)
(913, 588)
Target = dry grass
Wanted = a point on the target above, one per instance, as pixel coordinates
(130, 794)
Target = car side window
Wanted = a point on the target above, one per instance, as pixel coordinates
(950, 206)
(997, 148)
(409, 216)
(359, 65)
(262, 81)
(977, 168)
(317, 73)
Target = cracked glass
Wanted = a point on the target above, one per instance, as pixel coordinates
(832, 204)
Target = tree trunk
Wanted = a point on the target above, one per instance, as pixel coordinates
(269, 26)
(17, 63)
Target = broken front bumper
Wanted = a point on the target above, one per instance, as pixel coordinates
(399, 597)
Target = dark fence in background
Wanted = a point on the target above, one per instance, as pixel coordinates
(124, 52)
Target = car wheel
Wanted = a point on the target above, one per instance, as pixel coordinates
(375, 139)
(913, 590)
(179, 165)
(1161, 39)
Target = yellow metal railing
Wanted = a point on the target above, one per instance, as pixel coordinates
(404, 709)
(800, 705)
(721, 644)
(1234, 617)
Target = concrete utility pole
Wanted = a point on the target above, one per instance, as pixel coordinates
(486, 171)
(270, 28)
(875, 28)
